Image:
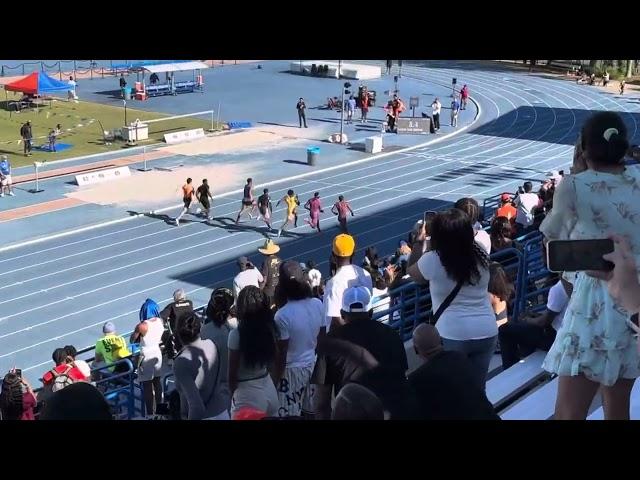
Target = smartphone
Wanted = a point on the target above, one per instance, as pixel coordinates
(579, 255)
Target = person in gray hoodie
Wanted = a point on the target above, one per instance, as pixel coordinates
(198, 373)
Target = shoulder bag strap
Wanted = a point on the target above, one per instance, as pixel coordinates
(447, 301)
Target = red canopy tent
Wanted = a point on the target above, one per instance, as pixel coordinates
(36, 83)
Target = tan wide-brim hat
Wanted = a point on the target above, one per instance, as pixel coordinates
(269, 248)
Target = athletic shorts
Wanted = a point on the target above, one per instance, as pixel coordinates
(246, 202)
(6, 180)
(187, 202)
(205, 204)
(295, 392)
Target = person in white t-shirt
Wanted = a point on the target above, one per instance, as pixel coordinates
(300, 322)
(525, 203)
(249, 275)
(436, 108)
(380, 299)
(519, 339)
(347, 275)
(472, 209)
(468, 324)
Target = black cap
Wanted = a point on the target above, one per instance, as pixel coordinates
(292, 270)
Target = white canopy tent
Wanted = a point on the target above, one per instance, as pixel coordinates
(175, 67)
(171, 86)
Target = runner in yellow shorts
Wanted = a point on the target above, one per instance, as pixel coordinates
(292, 202)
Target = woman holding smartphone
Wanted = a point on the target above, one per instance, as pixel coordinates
(17, 400)
(594, 348)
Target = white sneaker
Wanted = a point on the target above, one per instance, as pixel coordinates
(1, 194)
(279, 233)
(177, 222)
(12, 194)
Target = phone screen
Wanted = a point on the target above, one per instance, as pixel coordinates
(578, 255)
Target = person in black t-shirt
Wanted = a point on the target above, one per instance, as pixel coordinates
(362, 351)
(203, 194)
(265, 208)
(170, 315)
(444, 385)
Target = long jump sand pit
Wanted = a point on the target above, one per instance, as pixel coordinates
(148, 189)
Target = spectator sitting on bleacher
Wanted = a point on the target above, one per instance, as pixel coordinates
(525, 202)
(521, 338)
(506, 209)
(301, 322)
(371, 260)
(445, 383)
(198, 373)
(501, 234)
(347, 275)
(81, 364)
(170, 315)
(17, 400)
(63, 374)
(111, 348)
(380, 299)
(80, 401)
(472, 209)
(355, 402)
(252, 351)
(457, 270)
(149, 334)
(593, 204)
(373, 355)
(500, 292)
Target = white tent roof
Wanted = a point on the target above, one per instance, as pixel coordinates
(175, 67)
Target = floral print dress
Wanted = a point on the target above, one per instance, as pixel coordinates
(594, 339)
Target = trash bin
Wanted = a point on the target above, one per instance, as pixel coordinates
(127, 93)
(312, 155)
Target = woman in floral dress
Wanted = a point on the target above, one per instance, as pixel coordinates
(595, 347)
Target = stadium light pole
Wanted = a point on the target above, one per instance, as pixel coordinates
(344, 92)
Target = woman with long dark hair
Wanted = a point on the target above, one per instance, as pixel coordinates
(301, 321)
(17, 399)
(500, 291)
(252, 351)
(594, 348)
(457, 269)
(501, 231)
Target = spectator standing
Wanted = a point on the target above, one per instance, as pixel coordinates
(170, 316)
(220, 320)
(110, 348)
(26, 134)
(6, 183)
(341, 208)
(252, 349)
(249, 275)
(605, 79)
(389, 65)
(364, 106)
(457, 270)
(520, 339)
(455, 109)
(526, 202)
(197, 370)
(594, 349)
(364, 351)
(17, 400)
(464, 97)
(123, 84)
(72, 89)
(301, 106)
(622, 85)
(351, 108)
(300, 322)
(347, 275)
(149, 334)
(270, 269)
(445, 382)
(436, 108)
(400, 68)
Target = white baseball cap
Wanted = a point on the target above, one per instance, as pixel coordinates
(356, 299)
